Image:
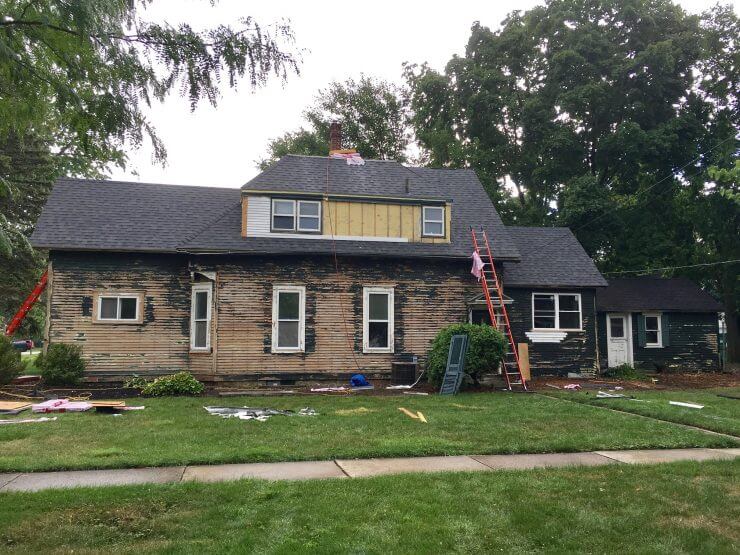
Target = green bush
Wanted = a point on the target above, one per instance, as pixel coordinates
(10, 361)
(62, 364)
(625, 372)
(182, 383)
(486, 346)
(137, 382)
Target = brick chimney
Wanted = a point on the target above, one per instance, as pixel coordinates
(335, 136)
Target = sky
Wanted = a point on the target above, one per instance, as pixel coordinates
(219, 146)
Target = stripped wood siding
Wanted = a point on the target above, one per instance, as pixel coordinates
(352, 219)
(576, 353)
(428, 296)
(160, 344)
(693, 343)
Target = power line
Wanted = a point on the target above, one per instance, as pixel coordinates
(670, 175)
(646, 270)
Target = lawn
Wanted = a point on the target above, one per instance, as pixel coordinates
(719, 414)
(676, 508)
(176, 431)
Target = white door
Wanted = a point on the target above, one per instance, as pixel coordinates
(619, 339)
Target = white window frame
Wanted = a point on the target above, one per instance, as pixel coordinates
(425, 220)
(301, 290)
(296, 215)
(208, 287)
(557, 311)
(366, 292)
(118, 298)
(657, 316)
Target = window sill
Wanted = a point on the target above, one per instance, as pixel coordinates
(118, 322)
(286, 351)
(369, 351)
(207, 351)
(653, 346)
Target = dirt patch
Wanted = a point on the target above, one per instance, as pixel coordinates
(351, 412)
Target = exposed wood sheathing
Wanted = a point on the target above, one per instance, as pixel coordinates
(376, 219)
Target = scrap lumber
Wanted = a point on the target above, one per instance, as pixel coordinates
(408, 413)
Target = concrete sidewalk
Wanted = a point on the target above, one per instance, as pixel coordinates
(309, 470)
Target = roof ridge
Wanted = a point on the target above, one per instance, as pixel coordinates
(145, 183)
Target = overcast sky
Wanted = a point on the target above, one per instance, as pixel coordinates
(218, 146)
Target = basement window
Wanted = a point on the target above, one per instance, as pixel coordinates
(377, 320)
(288, 318)
(296, 215)
(433, 221)
(200, 317)
(118, 308)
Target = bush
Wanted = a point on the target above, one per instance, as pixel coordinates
(62, 364)
(136, 382)
(10, 361)
(182, 383)
(486, 346)
(625, 372)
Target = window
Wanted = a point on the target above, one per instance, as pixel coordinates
(118, 308)
(377, 320)
(616, 326)
(653, 330)
(200, 317)
(556, 311)
(296, 215)
(288, 318)
(433, 220)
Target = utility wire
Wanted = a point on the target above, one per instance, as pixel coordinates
(670, 175)
(647, 270)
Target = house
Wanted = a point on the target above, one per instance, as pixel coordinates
(658, 323)
(315, 269)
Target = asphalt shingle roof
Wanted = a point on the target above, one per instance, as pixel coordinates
(638, 294)
(550, 257)
(108, 215)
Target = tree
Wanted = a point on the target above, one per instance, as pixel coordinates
(75, 80)
(374, 121)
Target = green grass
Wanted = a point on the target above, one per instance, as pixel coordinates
(30, 362)
(676, 508)
(719, 414)
(173, 431)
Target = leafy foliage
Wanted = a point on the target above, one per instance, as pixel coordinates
(61, 365)
(10, 361)
(486, 346)
(182, 383)
(374, 121)
(75, 79)
(625, 372)
(604, 116)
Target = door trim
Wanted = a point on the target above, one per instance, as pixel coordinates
(628, 336)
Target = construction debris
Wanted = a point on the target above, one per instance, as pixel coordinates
(415, 415)
(552, 386)
(605, 395)
(687, 405)
(28, 420)
(247, 413)
(328, 389)
(572, 386)
(61, 405)
(13, 407)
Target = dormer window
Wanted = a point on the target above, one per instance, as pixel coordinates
(433, 221)
(296, 215)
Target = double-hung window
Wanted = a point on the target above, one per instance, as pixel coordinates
(288, 318)
(200, 317)
(377, 320)
(653, 331)
(556, 311)
(296, 215)
(118, 308)
(433, 221)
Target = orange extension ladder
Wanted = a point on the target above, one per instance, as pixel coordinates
(492, 290)
(27, 305)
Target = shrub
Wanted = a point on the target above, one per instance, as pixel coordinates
(62, 364)
(10, 361)
(136, 382)
(625, 372)
(182, 383)
(486, 346)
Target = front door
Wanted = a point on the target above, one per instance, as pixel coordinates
(618, 339)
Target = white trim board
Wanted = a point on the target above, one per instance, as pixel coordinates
(540, 336)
